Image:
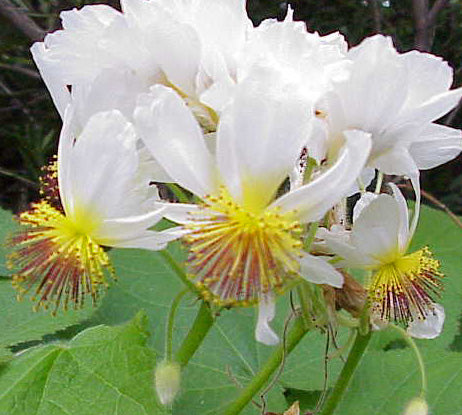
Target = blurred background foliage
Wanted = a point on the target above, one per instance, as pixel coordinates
(29, 124)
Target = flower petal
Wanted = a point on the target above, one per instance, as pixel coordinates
(436, 145)
(403, 215)
(375, 232)
(115, 229)
(97, 170)
(180, 212)
(151, 240)
(58, 91)
(260, 136)
(266, 311)
(364, 201)
(312, 201)
(319, 271)
(429, 328)
(174, 138)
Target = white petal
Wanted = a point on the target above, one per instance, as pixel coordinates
(99, 167)
(154, 241)
(435, 107)
(260, 135)
(314, 199)
(430, 76)
(174, 138)
(266, 311)
(396, 161)
(436, 145)
(364, 201)
(403, 215)
(115, 229)
(180, 212)
(58, 91)
(177, 45)
(79, 52)
(376, 231)
(365, 179)
(429, 328)
(319, 271)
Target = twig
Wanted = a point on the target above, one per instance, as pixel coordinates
(24, 180)
(21, 20)
(377, 15)
(15, 101)
(29, 72)
(436, 202)
(436, 8)
(281, 367)
(452, 115)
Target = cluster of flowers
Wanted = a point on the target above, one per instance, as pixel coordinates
(266, 130)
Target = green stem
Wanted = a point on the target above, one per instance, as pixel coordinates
(310, 235)
(201, 326)
(348, 370)
(178, 270)
(170, 324)
(378, 185)
(261, 378)
(410, 341)
(178, 192)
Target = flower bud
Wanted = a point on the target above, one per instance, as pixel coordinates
(168, 377)
(417, 406)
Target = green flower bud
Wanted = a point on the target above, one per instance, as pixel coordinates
(168, 378)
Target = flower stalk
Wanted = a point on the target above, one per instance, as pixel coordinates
(354, 357)
(295, 335)
(201, 326)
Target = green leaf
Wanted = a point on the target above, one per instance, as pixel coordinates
(18, 322)
(7, 227)
(103, 370)
(386, 381)
(229, 356)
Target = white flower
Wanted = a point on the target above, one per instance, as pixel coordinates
(190, 45)
(103, 200)
(403, 285)
(396, 98)
(244, 241)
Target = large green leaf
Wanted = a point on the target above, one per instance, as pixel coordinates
(386, 381)
(103, 370)
(18, 322)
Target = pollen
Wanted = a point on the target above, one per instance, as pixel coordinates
(404, 289)
(237, 254)
(57, 259)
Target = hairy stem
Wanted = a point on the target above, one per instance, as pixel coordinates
(348, 370)
(201, 326)
(170, 324)
(261, 378)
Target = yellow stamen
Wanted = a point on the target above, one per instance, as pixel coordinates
(59, 255)
(404, 289)
(238, 254)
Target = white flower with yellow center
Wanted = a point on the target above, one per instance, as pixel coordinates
(244, 241)
(396, 98)
(403, 285)
(104, 199)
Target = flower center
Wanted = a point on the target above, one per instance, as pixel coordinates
(236, 254)
(403, 290)
(60, 254)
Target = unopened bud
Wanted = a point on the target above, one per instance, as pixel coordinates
(168, 377)
(417, 406)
